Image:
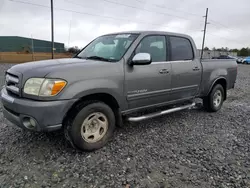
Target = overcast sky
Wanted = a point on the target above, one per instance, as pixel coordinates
(229, 20)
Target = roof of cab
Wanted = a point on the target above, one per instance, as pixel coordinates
(148, 32)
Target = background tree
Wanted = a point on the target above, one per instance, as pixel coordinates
(220, 49)
(240, 52)
(234, 50)
(243, 52)
(73, 50)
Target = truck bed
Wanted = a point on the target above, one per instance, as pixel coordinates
(214, 69)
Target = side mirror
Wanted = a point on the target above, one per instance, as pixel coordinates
(141, 59)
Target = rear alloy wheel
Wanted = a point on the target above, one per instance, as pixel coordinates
(214, 101)
(91, 126)
(217, 98)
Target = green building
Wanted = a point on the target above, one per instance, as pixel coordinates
(22, 44)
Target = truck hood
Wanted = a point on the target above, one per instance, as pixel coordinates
(44, 67)
(46, 64)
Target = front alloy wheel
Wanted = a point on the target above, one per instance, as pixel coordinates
(94, 127)
(91, 126)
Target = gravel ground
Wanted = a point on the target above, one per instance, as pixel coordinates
(185, 149)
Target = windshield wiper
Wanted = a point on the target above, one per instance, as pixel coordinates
(100, 58)
(78, 57)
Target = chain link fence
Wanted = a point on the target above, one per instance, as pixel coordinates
(26, 55)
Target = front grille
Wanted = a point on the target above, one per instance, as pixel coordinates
(12, 83)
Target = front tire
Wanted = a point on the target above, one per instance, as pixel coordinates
(91, 126)
(214, 101)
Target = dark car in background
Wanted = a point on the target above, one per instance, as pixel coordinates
(224, 57)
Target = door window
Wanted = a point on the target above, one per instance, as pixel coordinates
(155, 46)
(181, 49)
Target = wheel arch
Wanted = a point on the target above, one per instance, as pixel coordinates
(223, 82)
(106, 98)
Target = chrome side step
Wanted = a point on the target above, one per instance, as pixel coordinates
(155, 114)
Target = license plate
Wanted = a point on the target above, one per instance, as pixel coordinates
(7, 98)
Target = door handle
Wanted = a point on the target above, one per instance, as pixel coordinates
(196, 69)
(163, 71)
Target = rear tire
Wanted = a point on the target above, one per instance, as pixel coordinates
(214, 101)
(90, 126)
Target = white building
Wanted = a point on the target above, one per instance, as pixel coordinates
(208, 54)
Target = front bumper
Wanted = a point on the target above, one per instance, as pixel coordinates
(46, 115)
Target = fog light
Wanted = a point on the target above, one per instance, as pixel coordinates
(32, 122)
(29, 123)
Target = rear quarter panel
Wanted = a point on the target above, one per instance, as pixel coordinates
(214, 70)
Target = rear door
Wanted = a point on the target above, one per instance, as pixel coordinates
(148, 85)
(186, 69)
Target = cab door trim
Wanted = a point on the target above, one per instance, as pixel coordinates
(148, 94)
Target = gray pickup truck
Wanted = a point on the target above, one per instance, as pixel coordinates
(113, 77)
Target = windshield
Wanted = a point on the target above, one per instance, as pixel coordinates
(108, 47)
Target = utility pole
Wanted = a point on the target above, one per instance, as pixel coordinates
(70, 29)
(32, 46)
(52, 29)
(204, 33)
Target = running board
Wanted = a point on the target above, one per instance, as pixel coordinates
(155, 114)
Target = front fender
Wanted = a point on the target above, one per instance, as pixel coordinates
(83, 88)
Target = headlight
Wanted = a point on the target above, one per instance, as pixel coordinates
(44, 87)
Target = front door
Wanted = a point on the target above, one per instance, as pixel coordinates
(186, 70)
(147, 85)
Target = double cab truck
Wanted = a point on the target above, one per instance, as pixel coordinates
(112, 77)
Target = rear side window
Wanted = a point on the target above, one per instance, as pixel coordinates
(181, 49)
